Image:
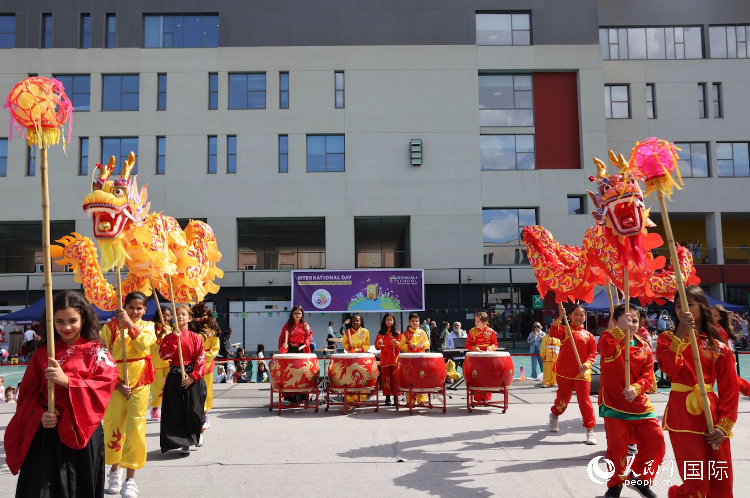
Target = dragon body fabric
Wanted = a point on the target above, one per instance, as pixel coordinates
(619, 239)
(151, 245)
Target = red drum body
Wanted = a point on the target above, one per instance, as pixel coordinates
(356, 371)
(420, 371)
(488, 369)
(294, 371)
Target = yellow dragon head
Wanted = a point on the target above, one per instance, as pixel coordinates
(115, 206)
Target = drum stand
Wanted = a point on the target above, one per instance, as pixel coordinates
(295, 392)
(412, 393)
(470, 391)
(354, 392)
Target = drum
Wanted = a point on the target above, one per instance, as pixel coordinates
(294, 371)
(489, 369)
(421, 371)
(357, 371)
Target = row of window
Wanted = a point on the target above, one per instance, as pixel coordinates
(617, 101)
(121, 92)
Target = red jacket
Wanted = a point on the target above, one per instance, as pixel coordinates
(612, 347)
(566, 365)
(92, 375)
(192, 352)
(388, 350)
(481, 340)
(299, 335)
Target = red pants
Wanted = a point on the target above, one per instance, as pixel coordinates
(583, 391)
(650, 440)
(386, 380)
(480, 398)
(716, 466)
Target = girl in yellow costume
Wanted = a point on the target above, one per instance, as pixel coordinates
(549, 350)
(356, 340)
(125, 418)
(415, 340)
(161, 367)
(204, 324)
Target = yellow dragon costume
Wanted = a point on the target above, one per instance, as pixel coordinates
(151, 245)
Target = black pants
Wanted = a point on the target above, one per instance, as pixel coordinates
(53, 470)
(181, 413)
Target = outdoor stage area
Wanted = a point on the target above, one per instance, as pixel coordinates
(250, 451)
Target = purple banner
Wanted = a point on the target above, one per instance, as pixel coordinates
(348, 291)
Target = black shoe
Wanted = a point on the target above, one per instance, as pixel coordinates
(387, 401)
(640, 488)
(613, 492)
(632, 449)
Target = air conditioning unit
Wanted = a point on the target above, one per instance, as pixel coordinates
(39, 268)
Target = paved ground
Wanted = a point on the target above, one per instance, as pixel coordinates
(252, 452)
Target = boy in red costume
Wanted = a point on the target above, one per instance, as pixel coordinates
(481, 338)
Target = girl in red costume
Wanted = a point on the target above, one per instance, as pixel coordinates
(481, 338)
(388, 343)
(182, 411)
(569, 375)
(684, 417)
(721, 318)
(296, 334)
(62, 454)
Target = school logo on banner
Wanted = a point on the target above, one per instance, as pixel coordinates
(321, 299)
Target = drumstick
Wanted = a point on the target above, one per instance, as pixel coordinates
(570, 335)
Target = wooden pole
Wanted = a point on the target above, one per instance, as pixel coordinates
(570, 336)
(174, 314)
(611, 304)
(686, 307)
(626, 284)
(122, 331)
(49, 321)
(158, 307)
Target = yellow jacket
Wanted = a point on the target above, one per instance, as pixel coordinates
(138, 349)
(357, 342)
(419, 339)
(155, 358)
(210, 347)
(549, 349)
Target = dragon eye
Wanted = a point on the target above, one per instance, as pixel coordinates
(605, 187)
(119, 192)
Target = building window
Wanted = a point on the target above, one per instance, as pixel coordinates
(382, 242)
(46, 31)
(617, 101)
(30, 161)
(338, 78)
(504, 152)
(718, 107)
(729, 42)
(283, 153)
(232, 154)
(161, 155)
(3, 157)
(7, 31)
(110, 40)
(651, 43)
(506, 100)
(189, 31)
(78, 89)
(120, 92)
(21, 245)
(702, 103)
(213, 91)
(83, 164)
(271, 244)
(120, 147)
(85, 41)
(501, 231)
(283, 90)
(162, 98)
(503, 29)
(651, 100)
(325, 153)
(212, 153)
(733, 159)
(247, 91)
(575, 204)
(693, 159)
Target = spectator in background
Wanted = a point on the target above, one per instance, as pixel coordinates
(426, 326)
(10, 395)
(262, 368)
(262, 375)
(535, 345)
(29, 339)
(2, 385)
(458, 331)
(450, 335)
(435, 339)
(224, 343)
(697, 249)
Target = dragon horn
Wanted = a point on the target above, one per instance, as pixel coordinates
(613, 158)
(128, 166)
(107, 169)
(623, 164)
(601, 169)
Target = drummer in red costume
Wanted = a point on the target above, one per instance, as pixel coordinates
(627, 409)
(684, 417)
(388, 343)
(481, 338)
(569, 375)
(415, 340)
(296, 334)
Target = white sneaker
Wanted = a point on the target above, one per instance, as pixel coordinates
(544, 385)
(129, 489)
(590, 438)
(553, 427)
(185, 450)
(200, 441)
(206, 423)
(115, 482)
